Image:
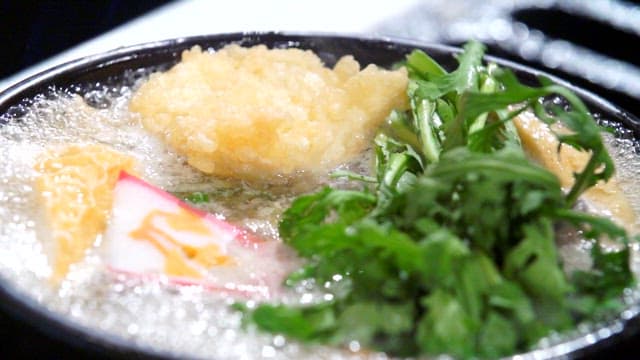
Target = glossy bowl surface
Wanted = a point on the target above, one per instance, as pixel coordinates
(85, 74)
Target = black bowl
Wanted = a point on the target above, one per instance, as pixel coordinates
(85, 74)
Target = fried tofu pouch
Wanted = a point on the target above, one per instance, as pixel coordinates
(541, 145)
(255, 113)
(75, 188)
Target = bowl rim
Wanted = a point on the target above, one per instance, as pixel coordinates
(99, 58)
(55, 325)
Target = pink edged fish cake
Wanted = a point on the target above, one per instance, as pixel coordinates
(153, 234)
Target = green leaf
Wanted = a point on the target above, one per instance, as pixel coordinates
(498, 336)
(197, 197)
(585, 136)
(427, 125)
(441, 253)
(508, 297)
(534, 262)
(610, 273)
(424, 65)
(312, 323)
(363, 321)
(314, 209)
(446, 328)
(477, 274)
(465, 77)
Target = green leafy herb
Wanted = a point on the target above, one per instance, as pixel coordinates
(450, 248)
(197, 197)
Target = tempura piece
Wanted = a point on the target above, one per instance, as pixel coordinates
(255, 113)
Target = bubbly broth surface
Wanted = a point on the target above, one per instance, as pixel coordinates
(181, 320)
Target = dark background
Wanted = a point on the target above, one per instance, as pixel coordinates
(31, 31)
